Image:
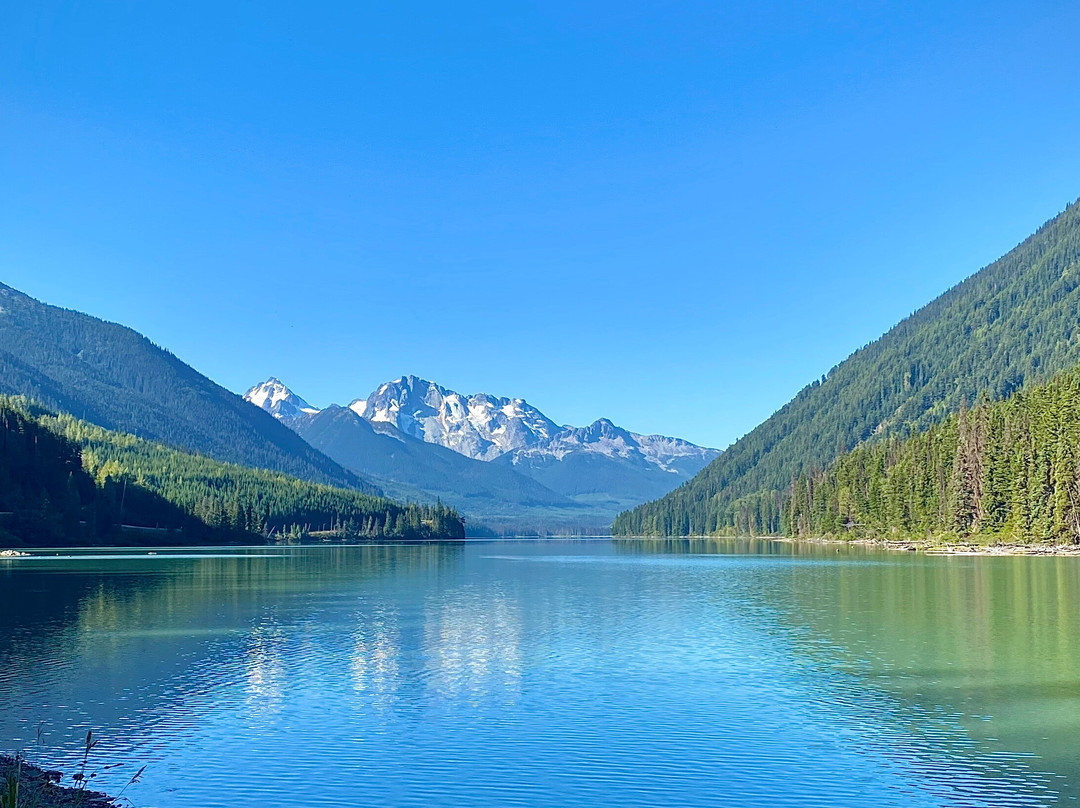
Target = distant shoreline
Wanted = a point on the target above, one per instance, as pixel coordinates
(924, 546)
(30, 550)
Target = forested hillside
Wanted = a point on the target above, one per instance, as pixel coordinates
(45, 492)
(1008, 469)
(1015, 322)
(66, 481)
(114, 377)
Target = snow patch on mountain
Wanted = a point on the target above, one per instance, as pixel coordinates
(486, 427)
(278, 400)
(662, 450)
(604, 438)
(482, 427)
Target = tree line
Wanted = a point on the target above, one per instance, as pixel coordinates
(1008, 469)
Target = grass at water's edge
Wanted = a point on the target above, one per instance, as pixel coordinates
(24, 785)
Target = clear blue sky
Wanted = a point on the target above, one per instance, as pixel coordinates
(671, 214)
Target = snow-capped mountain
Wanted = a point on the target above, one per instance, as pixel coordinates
(485, 427)
(518, 467)
(602, 437)
(607, 464)
(482, 427)
(278, 400)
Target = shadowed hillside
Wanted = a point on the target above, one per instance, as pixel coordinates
(116, 378)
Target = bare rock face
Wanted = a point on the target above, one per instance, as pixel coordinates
(479, 426)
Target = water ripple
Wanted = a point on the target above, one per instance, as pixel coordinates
(426, 676)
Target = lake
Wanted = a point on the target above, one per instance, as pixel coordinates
(563, 673)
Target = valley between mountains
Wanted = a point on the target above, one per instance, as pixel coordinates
(410, 450)
(422, 454)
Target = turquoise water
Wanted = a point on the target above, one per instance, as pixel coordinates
(550, 674)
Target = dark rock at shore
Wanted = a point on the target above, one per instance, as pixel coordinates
(41, 788)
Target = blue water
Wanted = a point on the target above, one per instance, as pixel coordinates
(525, 674)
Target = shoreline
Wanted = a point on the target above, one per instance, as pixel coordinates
(41, 787)
(925, 546)
(940, 548)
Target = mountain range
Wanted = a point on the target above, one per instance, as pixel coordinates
(500, 460)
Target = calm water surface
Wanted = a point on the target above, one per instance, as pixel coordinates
(551, 674)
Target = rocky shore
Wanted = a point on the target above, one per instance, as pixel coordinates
(939, 547)
(23, 784)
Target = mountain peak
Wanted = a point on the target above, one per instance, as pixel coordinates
(479, 426)
(277, 399)
(483, 426)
